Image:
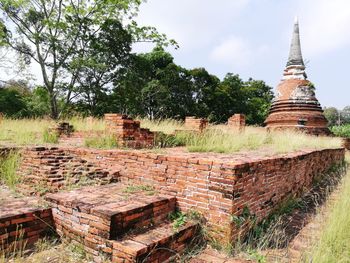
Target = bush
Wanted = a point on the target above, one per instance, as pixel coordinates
(341, 131)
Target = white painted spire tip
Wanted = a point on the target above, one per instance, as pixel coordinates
(296, 20)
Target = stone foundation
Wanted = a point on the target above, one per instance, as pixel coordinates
(128, 131)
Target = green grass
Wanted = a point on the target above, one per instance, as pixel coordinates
(50, 137)
(334, 242)
(8, 168)
(105, 141)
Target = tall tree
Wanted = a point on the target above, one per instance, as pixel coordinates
(56, 33)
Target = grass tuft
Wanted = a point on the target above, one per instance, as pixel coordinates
(8, 169)
(103, 142)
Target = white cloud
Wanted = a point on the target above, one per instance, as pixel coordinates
(193, 23)
(233, 51)
(324, 25)
(237, 52)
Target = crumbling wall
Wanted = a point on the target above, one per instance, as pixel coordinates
(128, 131)
(196, 124)
(237, 122)
(50, 169)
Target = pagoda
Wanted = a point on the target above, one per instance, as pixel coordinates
(295, 105)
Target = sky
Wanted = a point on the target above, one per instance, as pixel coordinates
(252, 38)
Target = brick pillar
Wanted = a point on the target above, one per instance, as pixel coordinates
(128, 131)
(196, 124)
(237, 122)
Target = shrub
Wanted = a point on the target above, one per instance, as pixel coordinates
(341, 131)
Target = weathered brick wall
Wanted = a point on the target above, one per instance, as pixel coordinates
(237, 121)
(217, 185)
(196, 124)
(221, 185)
(49, 169)
(128, 131)
(22, 226)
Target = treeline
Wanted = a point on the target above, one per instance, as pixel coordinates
(84, 52)
(152, 86)
(336, 116)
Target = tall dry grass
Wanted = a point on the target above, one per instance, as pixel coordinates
(217, 138)
(334, 242)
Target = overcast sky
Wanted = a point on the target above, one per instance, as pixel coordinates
(252, 38)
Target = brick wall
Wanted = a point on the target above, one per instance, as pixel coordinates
(128, 131)
(221, 185)
(195, 124)
(50, 169)
(237, 121)
(217, 185)
(22, 224)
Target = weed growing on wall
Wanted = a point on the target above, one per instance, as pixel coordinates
(8, 169)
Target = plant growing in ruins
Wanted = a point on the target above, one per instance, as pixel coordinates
(50, 136)
(8, 169)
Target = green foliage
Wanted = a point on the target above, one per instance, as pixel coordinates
(179, 219)
(341, 131)
(332, 115)
(68, 39)
(163, 140)
(12, 103)
(8, 169)
(105, 141)
(245, 215)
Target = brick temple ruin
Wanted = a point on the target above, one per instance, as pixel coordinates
(296, 105)
(133, 226)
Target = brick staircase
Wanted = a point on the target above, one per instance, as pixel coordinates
(121, 222)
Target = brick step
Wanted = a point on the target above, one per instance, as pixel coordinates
(160, 244)
(109, 211)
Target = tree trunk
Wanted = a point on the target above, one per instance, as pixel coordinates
(53, 106)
